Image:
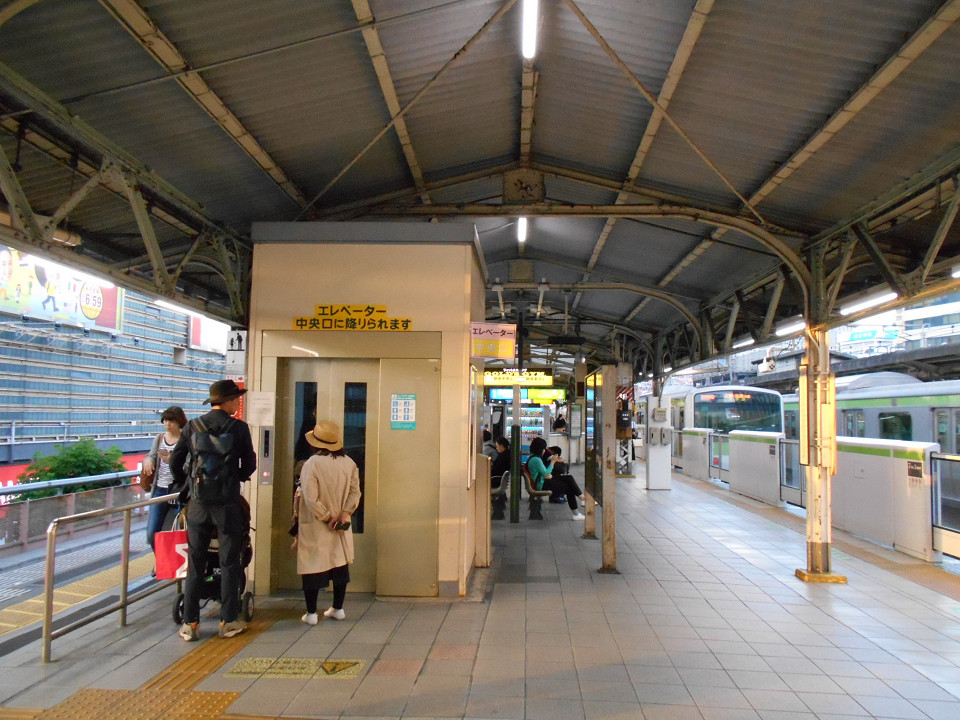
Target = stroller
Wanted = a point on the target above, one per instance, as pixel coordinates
(210, 587)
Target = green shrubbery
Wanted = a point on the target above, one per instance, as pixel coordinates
(80, 459)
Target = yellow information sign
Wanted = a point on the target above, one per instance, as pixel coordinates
(493, 340)
(542, 378)
(353, 318)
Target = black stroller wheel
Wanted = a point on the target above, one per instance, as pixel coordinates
(246, 606)
(178, 609)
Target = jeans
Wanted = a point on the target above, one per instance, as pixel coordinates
(230, 525)
(157, 515)
(566, 485)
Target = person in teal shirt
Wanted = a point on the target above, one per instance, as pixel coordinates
(540, 464)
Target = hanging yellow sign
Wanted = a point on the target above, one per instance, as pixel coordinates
(355, 318)
(493, 340)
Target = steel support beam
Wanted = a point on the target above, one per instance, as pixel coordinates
(889, 275)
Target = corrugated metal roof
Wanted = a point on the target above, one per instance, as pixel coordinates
(750, 84)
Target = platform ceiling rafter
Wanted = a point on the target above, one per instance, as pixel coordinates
(681, 164)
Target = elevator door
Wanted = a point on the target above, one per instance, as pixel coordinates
(347, 392)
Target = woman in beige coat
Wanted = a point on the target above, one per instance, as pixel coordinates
(329, 494)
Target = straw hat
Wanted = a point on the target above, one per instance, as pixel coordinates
(325, 435)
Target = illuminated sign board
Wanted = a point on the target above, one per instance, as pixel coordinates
(543, 396)
(541, 378)
(547, 395)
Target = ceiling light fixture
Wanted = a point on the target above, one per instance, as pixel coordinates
(528, 46)
(791, 328)
(868, 303)
(522, 230)
(743, 343)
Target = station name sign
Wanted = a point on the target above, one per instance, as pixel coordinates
(353, 318)
(540, 378)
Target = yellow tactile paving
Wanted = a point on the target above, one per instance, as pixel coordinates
(18, 713)
(30, 611)
(169, 695)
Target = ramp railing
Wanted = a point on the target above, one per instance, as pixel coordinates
(49, 634)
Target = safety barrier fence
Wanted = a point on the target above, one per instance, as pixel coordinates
(126, 599)
(25, 521)
(793, 481)
(946, 491)
(719, 454)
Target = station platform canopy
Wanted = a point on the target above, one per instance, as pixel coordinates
(693, 176)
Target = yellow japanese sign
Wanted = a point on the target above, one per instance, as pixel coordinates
(493, 340)
(356, 318)
(542, 378)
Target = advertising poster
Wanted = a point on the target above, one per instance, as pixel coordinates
(44, 290)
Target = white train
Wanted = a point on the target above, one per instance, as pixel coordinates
(891, 406)
(722, 408)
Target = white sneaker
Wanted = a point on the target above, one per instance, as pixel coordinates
(577, 516)
(335, 614)
(310, 618)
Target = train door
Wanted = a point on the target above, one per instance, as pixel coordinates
(946, 426)
(853, 423)
(676, 422)
(347, 392)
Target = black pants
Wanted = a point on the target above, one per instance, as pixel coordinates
(230, 524)
(565, 485)
(315, 582)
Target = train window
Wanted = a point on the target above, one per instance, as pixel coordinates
(792, 420)
(942, 430)
(896, 426)
(854, 424)
(726, 410)
(956, 432)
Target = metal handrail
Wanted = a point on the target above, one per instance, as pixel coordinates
(49, 634)
(21, 488)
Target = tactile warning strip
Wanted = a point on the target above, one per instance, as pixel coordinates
(18, 713)
(91, 704)
(169, 695)
(209, 656)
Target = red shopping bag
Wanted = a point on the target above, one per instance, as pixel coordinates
(171, 550)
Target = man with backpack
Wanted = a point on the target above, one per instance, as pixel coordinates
(221, 456)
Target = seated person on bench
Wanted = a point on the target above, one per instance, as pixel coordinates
(540, 464)
(501, 463)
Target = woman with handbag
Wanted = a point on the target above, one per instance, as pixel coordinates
(329, 495)
(155, 466)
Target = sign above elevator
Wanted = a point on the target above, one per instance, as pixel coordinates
(353, 318)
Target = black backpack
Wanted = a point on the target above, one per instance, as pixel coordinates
(213, 471)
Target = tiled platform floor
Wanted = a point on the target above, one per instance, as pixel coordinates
(705, 621)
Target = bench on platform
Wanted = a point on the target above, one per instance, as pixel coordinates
(536, 496)
(498, 496)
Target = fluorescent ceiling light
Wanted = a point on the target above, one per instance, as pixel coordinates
(868, 303)
(178, 308)
(791, 328)
(528, 45)
(522, 230)
(744, 343)
(63, 237)
(956, 272)
(51, 266)
(667, 369)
